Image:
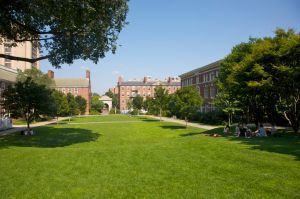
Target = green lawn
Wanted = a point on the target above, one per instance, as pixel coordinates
(145, 159)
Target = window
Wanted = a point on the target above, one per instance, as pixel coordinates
(122, 88)
(205, 92)
(212, 92)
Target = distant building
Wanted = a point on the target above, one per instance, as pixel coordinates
(75, 86)
(130, 89)
(107, 101)
(114, 90)
(25, 49)
(9, 68)
(203, 79)
(7, 76)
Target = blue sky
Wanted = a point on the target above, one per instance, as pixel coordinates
(169, 37)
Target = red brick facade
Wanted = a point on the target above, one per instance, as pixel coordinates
(76, 86)
(203, 79)
(145, 88)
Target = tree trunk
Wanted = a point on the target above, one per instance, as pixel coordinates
(28, 124)
(160, 114)
(185, 118)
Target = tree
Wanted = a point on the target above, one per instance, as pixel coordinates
(188, 101)
(115, 99)
(61, 103)
(137, 103)
(161, 99)
(67, 30)
(27, 99)
(37, 76)
(81, 104)
(129, 104)
(263, 75)
(96, 104)
(229, 106)
(73, 106)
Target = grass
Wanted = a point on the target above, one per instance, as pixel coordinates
(145, 159)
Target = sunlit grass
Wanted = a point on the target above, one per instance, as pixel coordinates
(145, 159)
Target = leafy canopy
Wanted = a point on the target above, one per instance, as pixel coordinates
(66, 30)
(27, 99)
(262, 76)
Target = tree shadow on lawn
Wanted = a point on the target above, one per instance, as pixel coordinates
(49, 137)
(288, 144)
(174, 127)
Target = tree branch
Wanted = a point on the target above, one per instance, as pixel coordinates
(22, 40)
(28, 28)
(23, 58)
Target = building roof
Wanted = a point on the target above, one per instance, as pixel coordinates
(71, 82)
(105, 98)
(201, 69)
(152, 83)
(8, 74)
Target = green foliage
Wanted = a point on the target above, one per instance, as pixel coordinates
(37, 76)
(73, 106)
(27, 99)
(150, 106)
(138, 102)
(61, 103)
(96, 104)
(263, 77)
(129, 104)
(114, 97)
(67, 30)
(160, 99)
(213, 117)
(81, 104)
(187, 101)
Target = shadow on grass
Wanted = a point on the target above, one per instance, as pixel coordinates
(174, 127)
(49, 137)
(191, 134)
(146, 119)
(288, 144)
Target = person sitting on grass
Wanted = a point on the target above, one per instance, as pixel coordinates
(248, 132)
(226, 130)
(237, 130)
(261, 132)
(242, 131)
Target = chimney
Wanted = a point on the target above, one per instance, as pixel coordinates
(169, 79)
(50, 74)
(87, 74)
(145, 79)
(120, 79)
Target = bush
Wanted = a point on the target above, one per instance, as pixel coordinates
(94, 112)
(214, 117)
(112, 111)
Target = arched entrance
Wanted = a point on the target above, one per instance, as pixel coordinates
(107, 101)
(105, 109)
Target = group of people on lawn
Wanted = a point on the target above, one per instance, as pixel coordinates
(245, 131)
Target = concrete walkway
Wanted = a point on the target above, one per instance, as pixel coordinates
(167, 119)
(18, 128)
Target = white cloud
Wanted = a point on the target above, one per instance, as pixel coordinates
(115, 72)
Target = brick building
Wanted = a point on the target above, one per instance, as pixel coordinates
(129, 89)
(75, 86)
(203, 79)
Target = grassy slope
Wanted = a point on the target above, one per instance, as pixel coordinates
(145, 160)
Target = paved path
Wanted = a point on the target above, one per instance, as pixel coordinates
(18, 128)
(167, 119)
